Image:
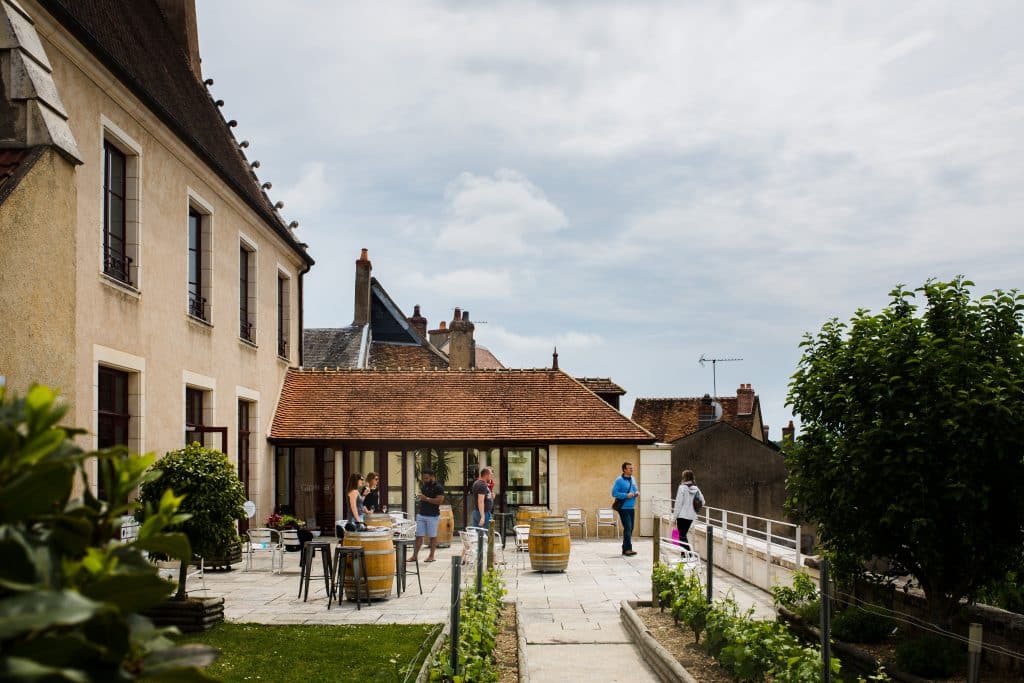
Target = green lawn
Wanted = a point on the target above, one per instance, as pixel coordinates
(364, 653)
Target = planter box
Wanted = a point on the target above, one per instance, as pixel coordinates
(190, 616)
(224, 561)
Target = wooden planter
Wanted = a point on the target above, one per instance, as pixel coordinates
(232, 555)
(190, 616)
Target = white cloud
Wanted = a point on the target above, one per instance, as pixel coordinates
(462, 284)
(519, 350)
(505, 212)
(310, 194)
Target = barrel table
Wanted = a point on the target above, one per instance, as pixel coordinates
(379, 562)
(445, 527)
(549, 544)
(378, 519)
(525, 513)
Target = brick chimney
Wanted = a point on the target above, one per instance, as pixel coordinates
(418, 322)
(554, 359)
(181, 17)
(764, 431)
(788, 433)
(706, 413)
(439, 336)
(744, 400)
(362, 302)
(461, 347)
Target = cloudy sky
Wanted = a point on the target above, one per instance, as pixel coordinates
(636, 183)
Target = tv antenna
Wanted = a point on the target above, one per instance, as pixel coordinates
(714, 363)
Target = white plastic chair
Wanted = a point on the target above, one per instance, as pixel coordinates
(264, 540)
(404, 528)
(522, 532)
(672, 554)
(606, 517)
(576, 517)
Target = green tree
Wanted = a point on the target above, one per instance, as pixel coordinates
(913, 435)
(213, 496)
(69, 592)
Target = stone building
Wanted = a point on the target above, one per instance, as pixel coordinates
(144, 270)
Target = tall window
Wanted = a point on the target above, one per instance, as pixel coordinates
(194, 415)
(243, 444)
(116, 262)
(113, 417)
(196, 300)
(282, 315)
(246, 290)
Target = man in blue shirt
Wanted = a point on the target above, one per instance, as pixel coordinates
(624, 489)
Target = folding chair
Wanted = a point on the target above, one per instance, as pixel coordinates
(606, 517)
(576, 517)
(522, 532)
(263, 540)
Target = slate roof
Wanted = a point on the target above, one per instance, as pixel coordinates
(135, 42)
(601, 385)
(336, 347)
(670, 419)
(545, 406)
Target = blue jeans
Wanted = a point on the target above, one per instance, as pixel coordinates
(627, 528)
(476, 519)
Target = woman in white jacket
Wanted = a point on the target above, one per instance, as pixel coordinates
(685, 511)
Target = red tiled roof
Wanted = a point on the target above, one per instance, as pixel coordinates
(673, 418)
(446, 406)
(601, 385)
(384, 355)
(485, 360)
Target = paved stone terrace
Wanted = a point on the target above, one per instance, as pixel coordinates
(571, 619)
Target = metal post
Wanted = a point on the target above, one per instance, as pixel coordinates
(479, 562)
(490, 544)
(711, 557)
(454, 636)
(974, 653)
(655, 602)
(826, 626)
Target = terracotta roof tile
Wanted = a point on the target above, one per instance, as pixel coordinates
(385, 355)
(447, 406)
(485, 360)
(601, 385)
(673, 418)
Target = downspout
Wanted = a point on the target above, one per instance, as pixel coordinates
(302, 307)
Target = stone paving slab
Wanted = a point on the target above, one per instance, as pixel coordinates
(607, 663)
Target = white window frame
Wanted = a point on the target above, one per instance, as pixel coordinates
(132, 150)
(250, 245)
(135, 366)
(200, 205)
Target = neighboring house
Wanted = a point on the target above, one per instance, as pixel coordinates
(608, 390)
(551, 440)
(672, 418)
(143, 269)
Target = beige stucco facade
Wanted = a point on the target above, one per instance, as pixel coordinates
(582, 476)
(87, 319)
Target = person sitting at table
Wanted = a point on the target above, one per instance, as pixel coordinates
(371, 503)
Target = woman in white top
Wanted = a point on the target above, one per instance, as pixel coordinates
(685, 511)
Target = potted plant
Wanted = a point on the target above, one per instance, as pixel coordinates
(213, 497)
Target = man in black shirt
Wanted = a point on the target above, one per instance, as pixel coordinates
(430, 498)
(483, 498)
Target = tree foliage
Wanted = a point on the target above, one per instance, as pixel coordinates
(213, 496)
(69, 592)
(913, 435)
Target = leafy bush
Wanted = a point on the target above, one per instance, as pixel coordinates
(69, 593)
(930, 656)
(478, 633)
(1006, 593)
(751, 649)
(213, 496)
(856, 625)
(809, 611)
(802, 591)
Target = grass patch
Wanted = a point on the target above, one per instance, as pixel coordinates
(362, 652)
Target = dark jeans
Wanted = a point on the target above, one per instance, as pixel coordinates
(684, 526)
(627, 528)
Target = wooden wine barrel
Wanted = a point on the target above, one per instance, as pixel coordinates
(379, 556)
(446, 527)
(378, 519)
(549, 544)
(527, 512)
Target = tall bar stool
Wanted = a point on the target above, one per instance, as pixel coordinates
(402, 546)
(309, 551)
(341, 555)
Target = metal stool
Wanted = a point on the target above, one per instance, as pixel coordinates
(402, 546)
(341, 553)
(308, 553)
